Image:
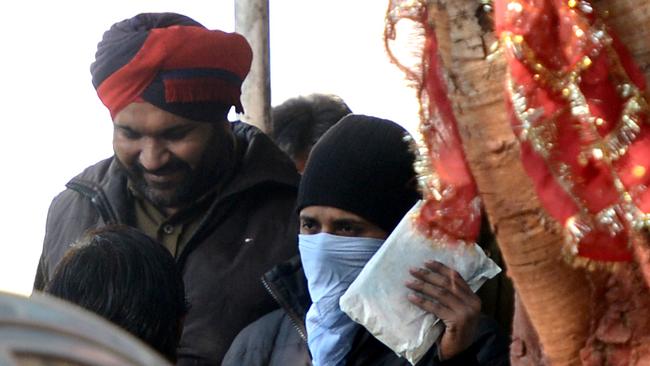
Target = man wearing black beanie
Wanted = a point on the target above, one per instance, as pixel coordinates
(357, 185)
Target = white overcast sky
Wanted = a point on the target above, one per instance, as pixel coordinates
(54, 125)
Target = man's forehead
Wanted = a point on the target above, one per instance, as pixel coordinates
(143, 114)
(329, 213)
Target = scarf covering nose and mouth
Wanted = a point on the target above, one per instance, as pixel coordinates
(172, 62)
(331, 263)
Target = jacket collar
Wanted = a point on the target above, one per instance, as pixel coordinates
(257, 150)
(105, 185)
(287, 284)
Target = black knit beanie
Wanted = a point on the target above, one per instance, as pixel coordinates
(362, 165)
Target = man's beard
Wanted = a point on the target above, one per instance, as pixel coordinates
(215, 166)
(162, 196)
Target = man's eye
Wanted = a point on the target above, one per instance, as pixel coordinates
(348, 230)
(175, 135)
(129, 134)
(308, 227)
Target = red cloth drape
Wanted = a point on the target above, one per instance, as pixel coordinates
(451, 203)
(576, 101)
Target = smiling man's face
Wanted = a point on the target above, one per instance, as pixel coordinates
(169, 158)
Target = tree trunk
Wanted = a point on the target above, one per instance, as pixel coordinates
(555, 295)
(524, 349)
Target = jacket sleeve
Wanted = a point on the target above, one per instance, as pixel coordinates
(254, 344)
(465, 358)
(241, 352)
(68, 217)
(272, 340)
(42, 272)
(41, 276)
(491, 347)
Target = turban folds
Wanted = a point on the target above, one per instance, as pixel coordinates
(172, 62)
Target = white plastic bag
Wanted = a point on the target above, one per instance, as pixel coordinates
(377, 299)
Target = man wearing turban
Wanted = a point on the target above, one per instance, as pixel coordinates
(217, 194)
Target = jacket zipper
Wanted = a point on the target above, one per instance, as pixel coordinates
(292, 317)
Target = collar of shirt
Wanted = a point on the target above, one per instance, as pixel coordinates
(173, 231)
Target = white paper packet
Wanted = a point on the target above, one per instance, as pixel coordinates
(377, 299)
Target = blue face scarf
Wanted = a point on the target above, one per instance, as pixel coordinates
(331, 263)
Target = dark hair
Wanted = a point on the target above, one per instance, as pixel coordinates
(299, 122)
(128, 278)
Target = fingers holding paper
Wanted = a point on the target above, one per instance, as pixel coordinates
(441, 291)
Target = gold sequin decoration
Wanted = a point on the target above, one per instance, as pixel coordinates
(539, 131)
(638, 171)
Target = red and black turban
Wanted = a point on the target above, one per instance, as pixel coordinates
(172, 62)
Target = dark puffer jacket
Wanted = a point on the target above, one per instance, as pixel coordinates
(279, 338)
(249, 227)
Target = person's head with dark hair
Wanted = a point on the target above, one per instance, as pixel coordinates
(128, 278)
(299, 122)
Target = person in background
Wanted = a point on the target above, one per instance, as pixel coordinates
(129, 279)
(358, 184)
(219, 195)
(299, 122)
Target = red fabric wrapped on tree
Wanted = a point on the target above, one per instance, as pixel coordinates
(577, 105)
(451, 206)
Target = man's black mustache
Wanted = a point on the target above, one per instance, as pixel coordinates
(172, 166)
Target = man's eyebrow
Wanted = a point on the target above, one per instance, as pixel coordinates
(178, 128)
(348, 220)
(172, 129)
(124, 127)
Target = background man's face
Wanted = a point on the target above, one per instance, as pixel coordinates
(167, 156)
(331, 220)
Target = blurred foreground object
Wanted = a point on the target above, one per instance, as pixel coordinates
(45, 331)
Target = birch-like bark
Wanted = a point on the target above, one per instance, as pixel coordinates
(555, 295)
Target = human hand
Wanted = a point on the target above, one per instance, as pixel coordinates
(453, 302)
